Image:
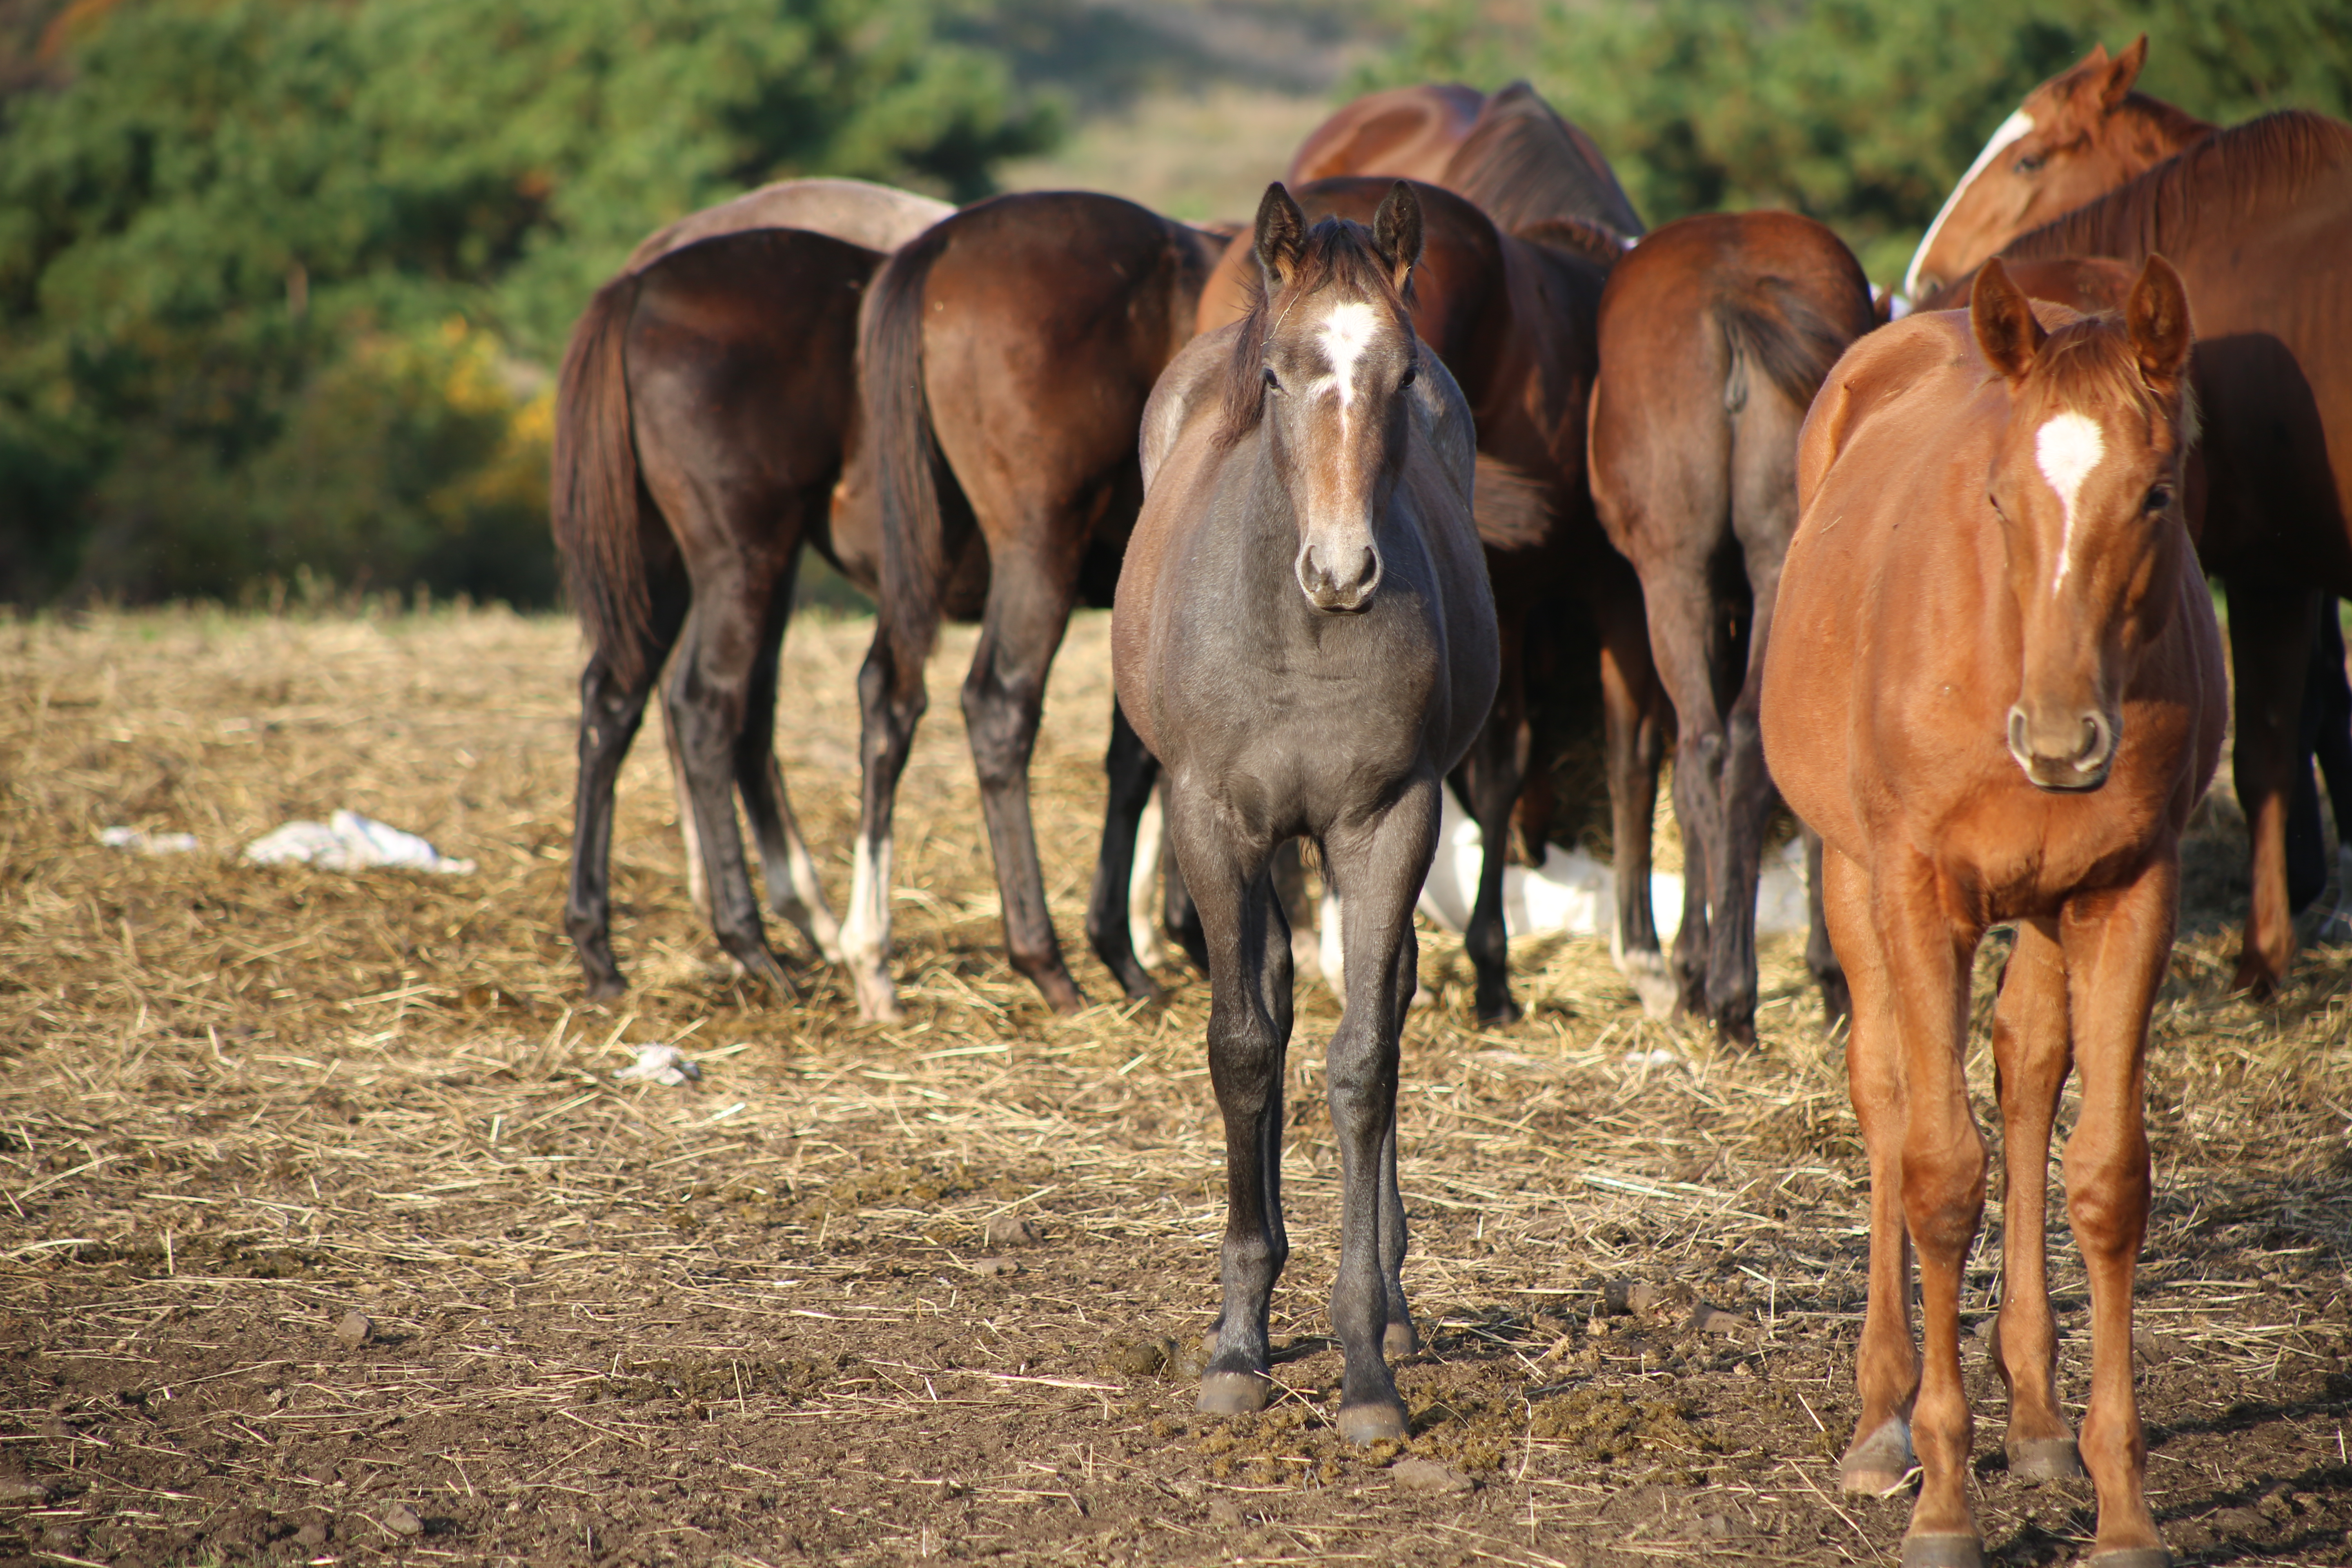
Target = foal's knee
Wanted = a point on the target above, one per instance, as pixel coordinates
(1944, 1190)
(2108, 1193)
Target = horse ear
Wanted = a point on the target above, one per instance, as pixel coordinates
(2002, 319)
(2122, 71)
(1281, 235)
(2157, 316)
(1396, 232)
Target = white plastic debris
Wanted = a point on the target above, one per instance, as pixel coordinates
(1574, 894)
(139, 841)
(349, 842)
(659, 1064)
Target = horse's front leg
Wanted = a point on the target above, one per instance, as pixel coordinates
(890, 699)
(1887, 1365)
(1249, 1029)
(1131, 771)
(1378, 863)
(795, 891)
(2270, 656)
(1497, 764)
(2032, 1049)
(1635, 712)
(1942, 1167)
(2116, 943)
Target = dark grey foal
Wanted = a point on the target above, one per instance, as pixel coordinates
(1304, 636)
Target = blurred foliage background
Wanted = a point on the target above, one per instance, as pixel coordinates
(281, 282)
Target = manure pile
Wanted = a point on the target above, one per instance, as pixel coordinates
(328, 1234)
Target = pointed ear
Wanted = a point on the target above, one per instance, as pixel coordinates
(1396, 232)
(2157, 316)
(1281, 236)
(2002, 319)
(2122, 71)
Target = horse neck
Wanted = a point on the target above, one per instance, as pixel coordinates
(2153, 131)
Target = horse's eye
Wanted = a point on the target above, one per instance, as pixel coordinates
(2030, 164)
(2158, 497)
(1411, 373)
(1272, 381)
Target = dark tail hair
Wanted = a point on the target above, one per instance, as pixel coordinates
(1773, 328)
(898, 434)
(593, 491)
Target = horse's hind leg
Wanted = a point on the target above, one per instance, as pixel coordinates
(1634, 709)
(1821, 954)
(2030, 1058)
(610, 713)
(1031, 591)
(890, 700)
(1497, 764)
(1249, 1020)
(1378, 863)
(2270, 651)
(1131, 771)
(2117, 942)
(793, 889)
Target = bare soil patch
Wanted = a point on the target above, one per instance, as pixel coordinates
(869, 1295)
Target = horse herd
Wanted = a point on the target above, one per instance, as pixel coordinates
(1345, 475)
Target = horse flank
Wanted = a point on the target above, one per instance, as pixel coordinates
(2228, 179)
(1523, 163)
(593, 502)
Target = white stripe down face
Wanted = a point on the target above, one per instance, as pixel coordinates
(2015, 129)
(1343, 364)
(2067, 449)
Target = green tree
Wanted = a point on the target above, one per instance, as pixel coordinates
(1861, 113)
(252, 250)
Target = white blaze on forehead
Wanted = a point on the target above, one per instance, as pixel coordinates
(1345, 334)
(2067, 449)
(2011, 129)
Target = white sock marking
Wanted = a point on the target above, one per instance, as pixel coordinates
(2067, 448)
(2011, 129)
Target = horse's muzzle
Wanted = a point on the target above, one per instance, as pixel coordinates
(1338, 579)
(2068, 752)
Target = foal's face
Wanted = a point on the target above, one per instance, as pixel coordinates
(2086, 480)
(1338, 358)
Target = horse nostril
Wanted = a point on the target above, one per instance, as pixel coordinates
(2017, 747)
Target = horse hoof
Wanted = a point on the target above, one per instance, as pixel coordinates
(1879, 1463)
(606, 988)
(2133, 1557)
(1400, 1339)
(1498, 1014)
(1652, 982)
(1373, 1423)
(1942, 1551)
(1234, 1392)
(2040, 1460)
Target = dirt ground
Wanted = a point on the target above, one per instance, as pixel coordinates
(879, 1295)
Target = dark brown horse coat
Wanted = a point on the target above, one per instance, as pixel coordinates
(1995, 688)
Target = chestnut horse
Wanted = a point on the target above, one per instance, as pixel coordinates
(1996, 690)
(2075, 137)
(1713, 336)
(2256, 217)
(1304, 638)
(1512, 320)
(1004, 359)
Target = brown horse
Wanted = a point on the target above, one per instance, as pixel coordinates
(2075, 137)
(1406, 132)
(1996, 690)
(700, 419)
(1304, 636)
(1512, 320)
(1004, 361)
(1509, 153)
(1713, 336)
(2255, 218)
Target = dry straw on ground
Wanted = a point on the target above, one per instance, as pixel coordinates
(743, 1320)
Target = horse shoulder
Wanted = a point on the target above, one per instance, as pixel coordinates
(1873, 374)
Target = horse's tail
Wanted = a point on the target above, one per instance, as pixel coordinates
(898, 435)
(593, 491)
(1771, 326)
